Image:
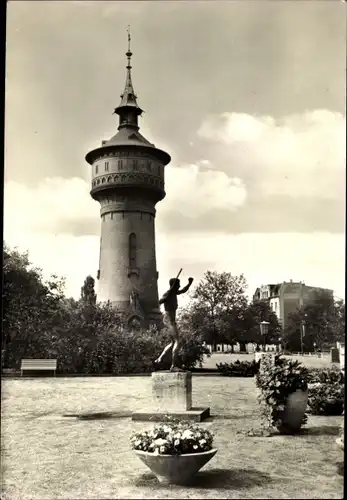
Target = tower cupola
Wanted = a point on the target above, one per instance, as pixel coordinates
(128, 109)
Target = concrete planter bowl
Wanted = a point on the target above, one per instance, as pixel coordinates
(294, 412)
(175, 469)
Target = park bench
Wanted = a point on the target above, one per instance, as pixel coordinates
(38, 364)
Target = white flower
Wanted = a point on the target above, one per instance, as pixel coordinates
(177, 442)
(187, 434)
(166, 428)
(195, 446)
(202, 442)
(137, 442)
(162, 449)
(177, 435)
(160, 442)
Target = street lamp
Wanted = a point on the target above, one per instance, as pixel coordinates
(302, 334)
(264, 329)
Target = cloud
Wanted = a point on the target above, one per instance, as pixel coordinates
(263, 258)
(301, 155)
(47, 220)
(64, 205)
(194, 192)
(54, 205)
(317, 259)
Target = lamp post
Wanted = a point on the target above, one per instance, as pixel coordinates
(302, 334)
(264, 329)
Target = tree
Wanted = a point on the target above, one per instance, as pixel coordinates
(88, 294)
(256, 313)
(215, 307)
(31, 307)
(324, 323)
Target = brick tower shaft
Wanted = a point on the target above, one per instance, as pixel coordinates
(128, 182)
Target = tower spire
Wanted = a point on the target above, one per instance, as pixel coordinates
(128, 110)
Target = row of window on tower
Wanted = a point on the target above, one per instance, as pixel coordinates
(132, 250)
(135, 164)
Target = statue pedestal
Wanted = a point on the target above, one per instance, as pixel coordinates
(172, 397)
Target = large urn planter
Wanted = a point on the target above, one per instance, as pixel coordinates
(283, 393)
(294, 412)
(175, 469)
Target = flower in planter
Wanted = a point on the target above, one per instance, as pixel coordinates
(277, 379)
(176, 438)
(326, 399)
(326, 376)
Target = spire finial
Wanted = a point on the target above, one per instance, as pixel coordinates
(129, 37)
(128, 110)
(129, 53)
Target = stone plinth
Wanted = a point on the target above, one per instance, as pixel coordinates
(172, 391)
(172, 397)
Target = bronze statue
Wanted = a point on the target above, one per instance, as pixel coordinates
(169, 299)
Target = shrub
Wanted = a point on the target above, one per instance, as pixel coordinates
(122, 352)
(326, 376)
(277, 378)
(239, 368)
(173, 438)
(191, 350)
(326, 399)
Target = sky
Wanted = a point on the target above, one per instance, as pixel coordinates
(247, 97)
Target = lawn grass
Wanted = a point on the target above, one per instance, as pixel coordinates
(46, 455)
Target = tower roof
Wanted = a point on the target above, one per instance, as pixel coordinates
(128, 98)
(128, 130)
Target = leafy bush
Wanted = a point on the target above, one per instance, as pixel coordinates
(191, 349)
(122, 351)
(277, 378)
(326, 376)
(173, 438)
(326, 398)
(239, 368)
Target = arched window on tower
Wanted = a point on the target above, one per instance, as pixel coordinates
(132, 250)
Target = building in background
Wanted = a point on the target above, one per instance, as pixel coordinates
(128, 182)
(287, 297)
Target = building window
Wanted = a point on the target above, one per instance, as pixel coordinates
(96, 169)
(120, 164)
(132, 250)
(106, 166)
